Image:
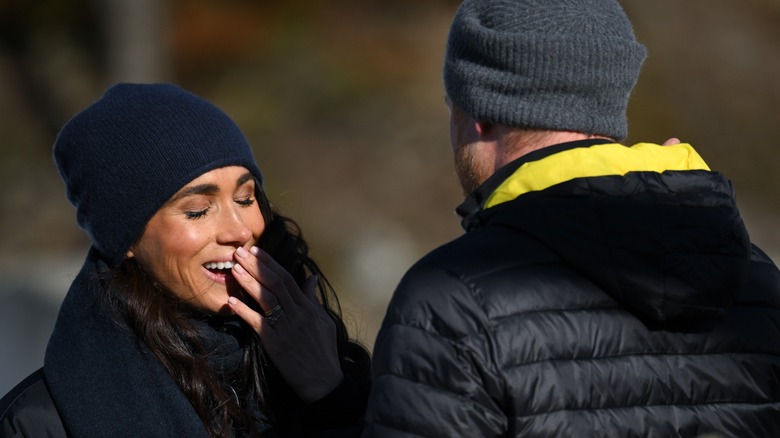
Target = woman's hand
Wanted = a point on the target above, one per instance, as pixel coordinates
(299, 336)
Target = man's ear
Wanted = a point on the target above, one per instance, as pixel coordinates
(481, 128)
(485, 130)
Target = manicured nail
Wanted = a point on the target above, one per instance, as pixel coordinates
(241, 252)
(232, 300)
(254, 250)
(239, 269)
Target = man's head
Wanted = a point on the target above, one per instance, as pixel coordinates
(568, 65)
(481, 148)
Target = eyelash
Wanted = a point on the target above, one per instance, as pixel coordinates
(195, 214)
(247, 202)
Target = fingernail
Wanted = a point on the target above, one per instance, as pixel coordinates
(254, 250)
(232, 300)
(239, 269)
(241, 252)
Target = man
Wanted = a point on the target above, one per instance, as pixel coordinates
(600, 289)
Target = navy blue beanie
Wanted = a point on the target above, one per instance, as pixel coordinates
(125, 155)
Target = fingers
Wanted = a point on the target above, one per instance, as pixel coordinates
(272, 309)
(256, 274)
(272, 286)
(265, 297)
(275, 277)
(246, 313)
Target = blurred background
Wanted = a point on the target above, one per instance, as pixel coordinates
(343, 103)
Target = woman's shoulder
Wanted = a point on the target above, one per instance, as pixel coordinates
(28, 410)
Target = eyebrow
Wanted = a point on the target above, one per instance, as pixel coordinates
(243, 179)
(207, 189)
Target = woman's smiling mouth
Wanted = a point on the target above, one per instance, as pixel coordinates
(219, 271)
(212, 266)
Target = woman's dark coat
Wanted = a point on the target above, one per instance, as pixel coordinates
(99, 380)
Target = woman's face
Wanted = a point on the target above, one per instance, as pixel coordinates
(188, 246)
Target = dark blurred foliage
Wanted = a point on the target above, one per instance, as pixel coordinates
(25, 29)
(342, 101)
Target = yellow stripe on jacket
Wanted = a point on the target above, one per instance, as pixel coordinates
(600, 160)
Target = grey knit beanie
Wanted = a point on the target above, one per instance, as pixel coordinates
(125, 155)
(559, 65)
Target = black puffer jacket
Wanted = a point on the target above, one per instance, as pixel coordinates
(599, 290)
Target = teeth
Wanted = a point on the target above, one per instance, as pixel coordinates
(219, 265)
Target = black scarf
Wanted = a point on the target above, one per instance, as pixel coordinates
(225, 341)
(105, 382)
(102, 380)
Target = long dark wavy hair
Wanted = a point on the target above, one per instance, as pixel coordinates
(166, 326)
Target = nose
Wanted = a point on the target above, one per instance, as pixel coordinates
(233, 229)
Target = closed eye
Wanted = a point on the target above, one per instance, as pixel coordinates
(246, 202)
(196, 214)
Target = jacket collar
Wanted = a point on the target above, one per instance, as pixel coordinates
(569, 161)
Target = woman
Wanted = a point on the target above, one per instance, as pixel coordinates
(198, 311)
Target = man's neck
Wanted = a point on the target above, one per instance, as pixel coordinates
(511, 145)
